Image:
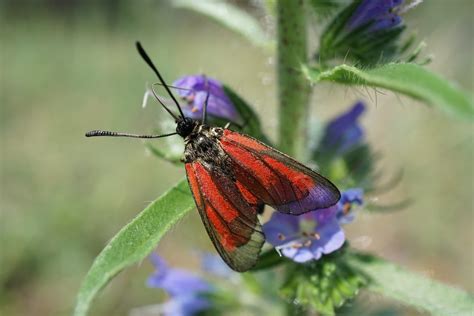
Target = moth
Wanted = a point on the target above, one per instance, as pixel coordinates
(232, 176)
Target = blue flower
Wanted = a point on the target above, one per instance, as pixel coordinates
(343, 133)
(309, 236)
(185, 289)
(194, 90)
(367, 32)
(345, 213)
(305, 237)
(378, 15)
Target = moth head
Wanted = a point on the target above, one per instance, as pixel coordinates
(185, 126)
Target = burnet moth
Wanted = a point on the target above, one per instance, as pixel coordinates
(232, 175)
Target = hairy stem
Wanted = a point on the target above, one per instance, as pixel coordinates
(293, 88)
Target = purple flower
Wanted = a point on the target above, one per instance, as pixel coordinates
(345, 214)
(367, 32)
(194, 91)
(377, 14)
(184, 288)
(343, 133)
(305, 237)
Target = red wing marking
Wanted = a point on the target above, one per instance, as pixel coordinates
(275, 178)
(230, 221)
(228, 240)
(213, 196)
(301, 179)
(248, 196)
(193, 184)
(244, 140)
(279, 188)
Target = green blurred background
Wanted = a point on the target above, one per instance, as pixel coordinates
(71, 66)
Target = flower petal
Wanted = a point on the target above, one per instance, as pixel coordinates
(343, 132)
(175, 281)
(197, 87)
(281, 228)
(304, 254)
(332, 237)
(354, 195)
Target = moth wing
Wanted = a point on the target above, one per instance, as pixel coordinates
(275, 178)
(230, 219)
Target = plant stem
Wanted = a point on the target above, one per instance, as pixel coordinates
(293, 89)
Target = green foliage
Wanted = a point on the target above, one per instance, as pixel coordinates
(411, 288)
(360, 165)
(325, 8)
(322, 285)
(250, 121)
(229, 16)
(353, 169)
(269, 259)
(406, 78)
(361, 45)
(134, 241)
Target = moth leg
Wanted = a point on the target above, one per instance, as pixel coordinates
(233, 123)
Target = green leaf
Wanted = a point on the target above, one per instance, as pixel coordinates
(134, 242)
(360, 163)
(326, 8)
(230, 16)
(413, 289)
(409, 79)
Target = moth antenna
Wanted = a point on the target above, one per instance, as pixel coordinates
(147, 59)
(162, 104)
(204, 112)
(171, 86)
(97, 133)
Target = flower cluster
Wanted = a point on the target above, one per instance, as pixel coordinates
(367, 31)
(309, 236)
(186, 290)
(194, 89)
(344, 133)
(375, 16)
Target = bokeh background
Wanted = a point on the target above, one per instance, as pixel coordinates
(71, 66)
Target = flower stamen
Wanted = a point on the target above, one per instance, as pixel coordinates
(297, 245)
(346, 208)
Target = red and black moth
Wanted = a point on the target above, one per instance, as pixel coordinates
(232, 175)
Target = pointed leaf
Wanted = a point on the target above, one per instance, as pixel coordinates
(230, 16)
(134, 242)
(406, 78)
(413, 289)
